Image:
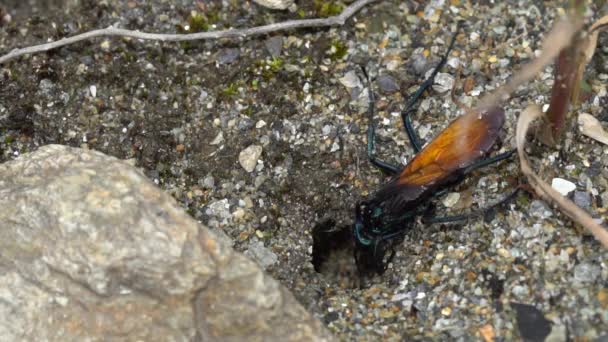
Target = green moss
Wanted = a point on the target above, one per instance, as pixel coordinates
(576, 172)
(248, 111)
(523, 200)
(9, 139)
(269, 68)
(231, 90)
(276, 64)
(328, 8)
(199, 22)
(338, 50)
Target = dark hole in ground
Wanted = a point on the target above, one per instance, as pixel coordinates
(333, 253)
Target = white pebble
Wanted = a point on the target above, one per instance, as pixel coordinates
(443, 82)
(248, 158)
(260, 124)
(219, 138)
(454, 62)
(275, 4)
(451, 199)
(562, 186)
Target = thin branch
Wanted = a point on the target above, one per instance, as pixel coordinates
(337, 20)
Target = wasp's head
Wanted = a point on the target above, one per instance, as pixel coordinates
(375, 236)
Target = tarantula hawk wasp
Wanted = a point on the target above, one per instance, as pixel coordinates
(383, 219)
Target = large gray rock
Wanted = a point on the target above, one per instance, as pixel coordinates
(92, 250)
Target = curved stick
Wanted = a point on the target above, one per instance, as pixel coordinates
(337, 20)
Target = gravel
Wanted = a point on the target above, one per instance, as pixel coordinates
(453, 281)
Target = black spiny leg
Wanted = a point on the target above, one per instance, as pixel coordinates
(386, 167)
(409, 108)
(489, 160)
(446, 219)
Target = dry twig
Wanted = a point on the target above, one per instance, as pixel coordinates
(337, 20)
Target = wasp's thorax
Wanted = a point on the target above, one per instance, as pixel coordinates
(375, 233)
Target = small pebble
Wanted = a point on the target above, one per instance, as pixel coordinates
(258, 252)
(451, 199)
(248, 158)
(582, 199)
(443, 82)
(351, 80)
(540, 209)
(219, 209)
(275, 4)
(387, 84)
(260, 124)
(454, 62)
(105, 45)
(228, 56)
(208, 182)
(562, 186)
(586, 272)
(219, 138)
(274, 45)
(499, 29)
(419, 63)
(238, 214)
(604, 198)
(245, 124)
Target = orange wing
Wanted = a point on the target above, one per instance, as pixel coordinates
(459, 145)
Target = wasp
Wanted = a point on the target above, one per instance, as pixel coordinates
(383, 219)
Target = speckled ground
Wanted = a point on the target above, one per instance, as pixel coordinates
(184, 112)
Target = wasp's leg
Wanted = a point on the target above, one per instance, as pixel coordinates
(490, 160)
(410, 107)
(386, 167)
(476, 213)
(411, 133)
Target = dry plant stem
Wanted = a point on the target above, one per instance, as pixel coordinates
(565, 72)
(337, 20)
(586, 50)
(544, 190)
(566, 85)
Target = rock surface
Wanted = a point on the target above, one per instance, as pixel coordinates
(92, 250)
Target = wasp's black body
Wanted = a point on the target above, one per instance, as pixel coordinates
(383, 219)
